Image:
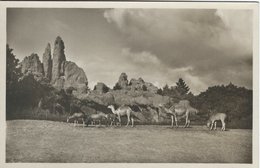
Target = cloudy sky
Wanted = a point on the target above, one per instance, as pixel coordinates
(204, 47)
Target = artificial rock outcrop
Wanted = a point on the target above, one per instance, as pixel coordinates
(60, 73)
(122, 82)
(47, 62)
(32, 64)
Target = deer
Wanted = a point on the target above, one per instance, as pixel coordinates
(76, 117)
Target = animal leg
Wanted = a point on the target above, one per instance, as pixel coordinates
(223, 126)
(83, 122)
(119, 119)
(172, 117)
(132, 119)
(215, 125)
(212, 123)
(74, 123)
(128, 121)
(176, 121)
(188, 125)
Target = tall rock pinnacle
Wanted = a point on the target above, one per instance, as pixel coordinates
(47, 62)
(59, 59)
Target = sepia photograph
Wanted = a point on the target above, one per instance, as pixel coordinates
(134, 84)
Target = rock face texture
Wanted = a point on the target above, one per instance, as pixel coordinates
(101, 88)
(74, 76)
(122, 82)
(141, 85)
(60, 73)
(47, 62)
(59, 60)
(137, 84)
(32, 64)
(151, 88)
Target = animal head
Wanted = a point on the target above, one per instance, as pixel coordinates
(160, 105)
(110, 106)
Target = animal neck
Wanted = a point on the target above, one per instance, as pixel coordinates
(165, 109)
(113, 109)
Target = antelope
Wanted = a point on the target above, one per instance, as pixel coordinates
(213, 121)
(181, 110)
(76, 116)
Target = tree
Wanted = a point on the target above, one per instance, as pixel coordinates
(165, 90)
(182, 87)
(13, 72)
(160, 91)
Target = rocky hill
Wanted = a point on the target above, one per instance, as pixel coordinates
(60, 73)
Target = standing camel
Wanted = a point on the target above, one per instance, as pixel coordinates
(180, 110)
(213, 121)
(123, 111)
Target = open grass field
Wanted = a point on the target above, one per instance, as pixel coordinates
(47, 141)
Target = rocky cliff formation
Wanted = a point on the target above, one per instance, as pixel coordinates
(74, 76)
(32, 64)
(122, 82)
(47, 62)
(60, 73)
(134, 84)
(101, 88)
(58, 59)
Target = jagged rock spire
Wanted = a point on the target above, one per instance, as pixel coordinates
(59, 59)
(47, 62)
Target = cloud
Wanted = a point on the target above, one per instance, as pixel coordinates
(215, 44)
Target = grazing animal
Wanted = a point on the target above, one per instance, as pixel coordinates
(76, 117)
(180, 110)
(97, 117)
(112, 118)
(216, 117)
(123, 111)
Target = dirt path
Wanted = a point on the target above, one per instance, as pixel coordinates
(47, 141)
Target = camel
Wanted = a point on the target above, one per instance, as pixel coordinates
(99, 116)
(123, 111)
(213, 121)
(76, 116)
(180, 110)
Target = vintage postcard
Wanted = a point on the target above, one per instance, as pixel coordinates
(129, 84)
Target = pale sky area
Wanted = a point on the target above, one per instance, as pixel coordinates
(204, 47)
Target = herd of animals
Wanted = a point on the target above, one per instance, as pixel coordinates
(176, 111)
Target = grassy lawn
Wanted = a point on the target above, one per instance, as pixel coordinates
(47, 141)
